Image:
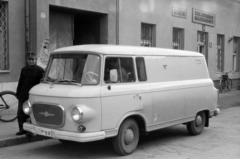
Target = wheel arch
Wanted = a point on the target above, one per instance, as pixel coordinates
(138, 118)
(207, 114)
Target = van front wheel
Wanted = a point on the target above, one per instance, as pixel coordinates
(127, 139)
(196, 127)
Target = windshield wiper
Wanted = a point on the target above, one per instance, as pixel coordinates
(46, 80)
(70, 81)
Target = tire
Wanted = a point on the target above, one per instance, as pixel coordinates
(127, 139)
(8, 114)
(229, 84)
(196, 127)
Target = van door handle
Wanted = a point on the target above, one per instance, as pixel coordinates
(137, 96)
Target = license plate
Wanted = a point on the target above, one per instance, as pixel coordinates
(45, 132)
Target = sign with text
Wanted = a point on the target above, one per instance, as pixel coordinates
(203, 17)
(178, 12)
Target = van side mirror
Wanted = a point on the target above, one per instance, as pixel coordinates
(113, 75)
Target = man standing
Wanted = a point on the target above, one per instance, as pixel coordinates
(29, 77)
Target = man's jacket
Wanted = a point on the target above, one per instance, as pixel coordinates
(29, 77)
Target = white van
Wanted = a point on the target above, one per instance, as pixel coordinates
(93, 92)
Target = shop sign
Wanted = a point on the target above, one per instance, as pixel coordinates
(178, 12)
(203, 17)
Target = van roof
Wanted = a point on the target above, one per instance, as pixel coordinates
(126, 50)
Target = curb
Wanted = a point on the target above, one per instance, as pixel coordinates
(21, 140)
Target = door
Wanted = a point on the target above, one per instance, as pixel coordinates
(121, 97)
(60, 30)
(202, 41)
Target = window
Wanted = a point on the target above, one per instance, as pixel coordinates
(73, 69)
(220, 53)
(4, 63)
(236, 54)
(141, 69)
(123, 66)
(178, 38)
(147, 36)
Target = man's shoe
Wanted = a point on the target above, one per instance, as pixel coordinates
(21, 132)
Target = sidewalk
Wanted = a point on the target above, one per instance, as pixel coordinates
(8, 130)
(8, 137)
(229, 99)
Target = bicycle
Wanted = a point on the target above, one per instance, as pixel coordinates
(225, 82)
(8, 106)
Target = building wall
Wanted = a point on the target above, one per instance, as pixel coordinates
(16, 44)
(159, 13)
(107, 7)
(39, 29)
(131, 14)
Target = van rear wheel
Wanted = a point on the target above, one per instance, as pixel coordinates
(127, 139)
(196, 127)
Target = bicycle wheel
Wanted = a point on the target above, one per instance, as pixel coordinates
(229, 84)
(221, 86)
(9, 106)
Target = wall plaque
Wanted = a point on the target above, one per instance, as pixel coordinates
(203, 17)
(179, 12)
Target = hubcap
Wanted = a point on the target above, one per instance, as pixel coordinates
(198, 120)
(128, 137)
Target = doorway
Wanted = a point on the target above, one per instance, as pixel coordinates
(73, 27)
(202, 41)
(86, 30)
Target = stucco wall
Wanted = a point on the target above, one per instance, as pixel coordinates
(16, 40)
(132, 14)
(16, 44)
(107, 7)
(159, 13)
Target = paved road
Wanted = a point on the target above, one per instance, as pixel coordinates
(219, 141)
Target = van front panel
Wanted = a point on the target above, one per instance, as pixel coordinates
(66, 97)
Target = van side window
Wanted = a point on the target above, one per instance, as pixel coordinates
(124, 68)
(142, 76)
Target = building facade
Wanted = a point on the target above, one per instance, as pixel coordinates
(206, 26)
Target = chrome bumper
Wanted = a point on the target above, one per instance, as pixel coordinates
(216, 112)
(65, 135)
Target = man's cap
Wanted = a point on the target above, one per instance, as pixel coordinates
(31, 55)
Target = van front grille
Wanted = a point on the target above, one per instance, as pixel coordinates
(48, 114)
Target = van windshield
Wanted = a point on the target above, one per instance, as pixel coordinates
(73, 69)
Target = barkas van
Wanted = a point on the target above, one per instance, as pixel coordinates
(93, 92)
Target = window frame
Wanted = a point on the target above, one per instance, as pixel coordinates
(6, 62)
(151, 32)
(145, 72)
(70, 55)
(236, 55)
(222, 49)
(118, 59)
(179, 44)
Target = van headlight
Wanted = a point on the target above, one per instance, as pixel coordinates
(77, 114)
(27, 108)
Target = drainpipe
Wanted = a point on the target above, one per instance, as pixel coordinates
(117, 22)
(27, 26)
